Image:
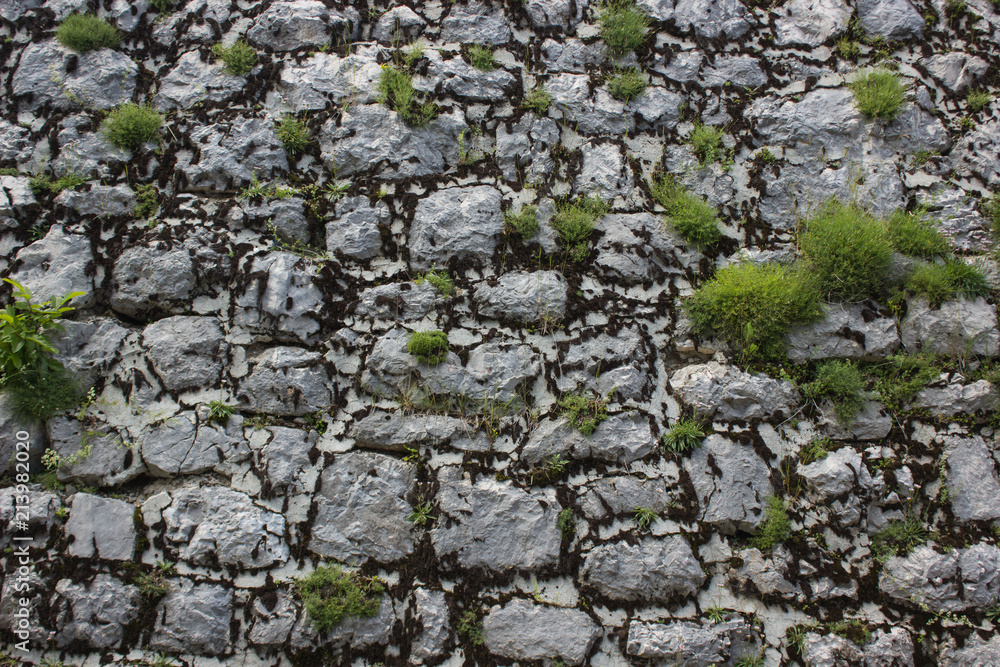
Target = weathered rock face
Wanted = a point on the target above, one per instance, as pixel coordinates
(295, 24)
(524, 297)
(492, 525)
(95, 613)
(193, 618)
(726, 393)
(287, 381)
(731, 493)
(112, 459)
(957, 328)
(973, 481)
(101, 528)
(282, 299)
(181, 445)
(621, 438)
(661, 569)
(361, 509)
(57, 266)
(193, 80)
(524, 631)
(950, 582)
(51, 74)
(848, 331)
(187, 352)
(687, 643)
(459, 222)
(216, 524)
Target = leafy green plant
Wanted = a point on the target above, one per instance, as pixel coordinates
(574, 223)
(902, 375)
(644, 517)
(330, 594)
(848, 49)
(584, 413)
(549, 469)
(238, 59)
(421, 514)
(412, 55)
(153, 585)
(481, 57)
(853, 629)
(293, 134)
(753, 305)
(913, 234)
(750, 660)
(566, 522)
(131, 125)
(691, 216)
(941, 282)
(623, 26)
(706, 142)
(848, 249)
(470, 627)
(977, 100)
(683, 436)
(775, 527)
(42, 183)
(430, 347)
(24, 347)
(441, 280)
(841, 382)
(795, 637)
(627, 84)
(716, 614)
(147, 200)
(524, 223)
(162, 6)
(814, 451)
(86, 32)
(220, 412)
(395, 89)
(538, 100)
(993, 612)
(878, 93)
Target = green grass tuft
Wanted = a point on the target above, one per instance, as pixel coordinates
(627, 84)
(913, 234)
(38, 396)
(943, 282)
(441, 280)
(86, 32)
(706, 142)
(753, 305)
(899, 538)
(330, 594)
(238, 59)
(524, 223)
(130, 126)
(430, 347)
(691, 216)
(293, 134)
(538, 100)
(574, 223)
(395, 89)
(878, 94)
(683, 436)
(841, 382)
(583, 413)
(977, 100)
(848, 249)
(481, 57)
(623, 26)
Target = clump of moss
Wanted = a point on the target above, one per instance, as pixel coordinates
(584, 413)
(430, 347)
(131, 125)
(691, 216)
(524, 223)
(841, 382)
(574, 223)
(753, 305)
(776, 526)
(86, 32)
(330, 594)
(942, 282)
(538, 100)
(913, 234)
(848, 249)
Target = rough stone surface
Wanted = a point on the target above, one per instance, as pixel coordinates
(283, 302)
(355, 231)
(398, 301)
(727, 393)
(973, 481)
(113, 460)
(95, 613)
(494, 525)
(193, 618)
(958, 328)
(525, 631)
(287, 381)
(187, 352)
(687, 643)
(524, 297)
(456, 222)
(848, 331)
(101, 527)
(732, 495)
(52, 74)
(892, 19)
(660, 568)
(362, 509)
(951, 582)
(180, 445)
(56, 266)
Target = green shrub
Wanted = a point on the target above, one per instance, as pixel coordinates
(238, 59)
(538, 100)
(330, 594)
(574, 223)
(293, 134)
(848, 249)
(38, 396)
(430, 347)
(395, 89)
(683, 436)
(583, 413)
(776, 526)
(901, 376)
(841, 382)
(481, 58)
(753, 305)
(627, 84)
(623, 26)
(706, 142)
(24, 347)
(878, 94)
(691, 216)
(943, 282)
(441, 280)
(913, 234)
(130, 126)
(525, 223)
(86, 32)
(977, 100)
